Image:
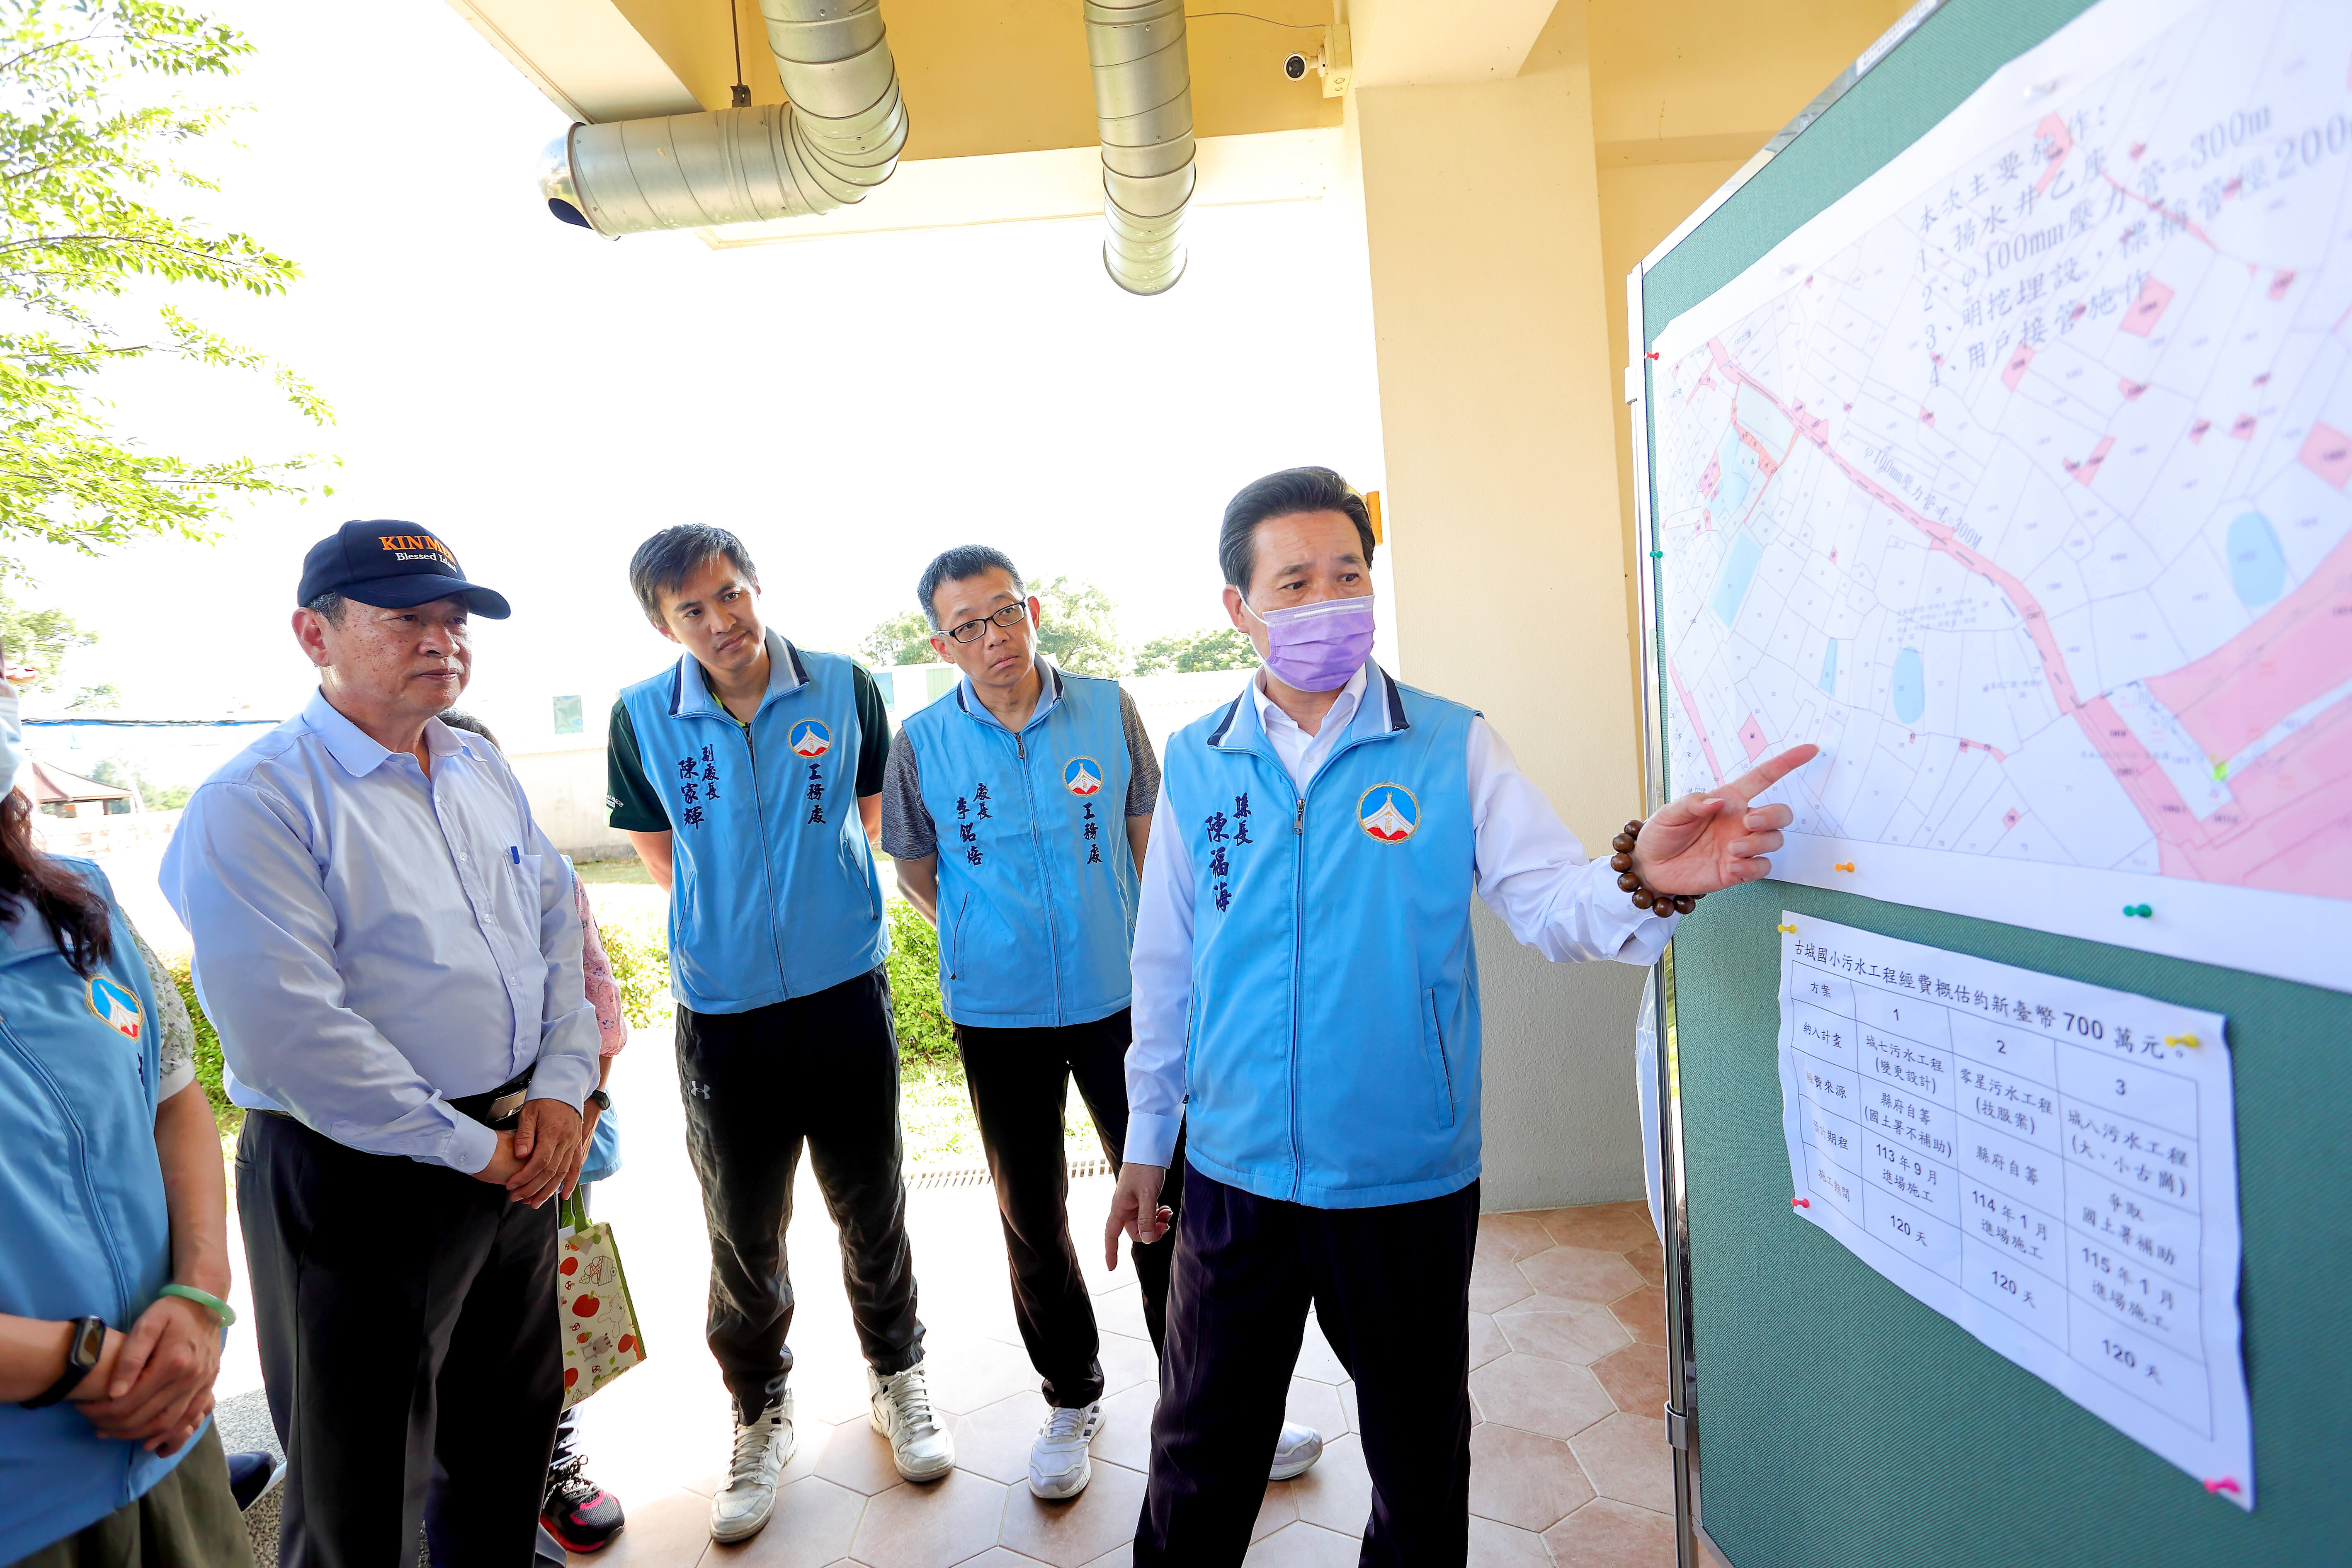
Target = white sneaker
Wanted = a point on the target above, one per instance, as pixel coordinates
(1059, 1466)
(1296, 1453)
(919, 1446)
(762, 1449)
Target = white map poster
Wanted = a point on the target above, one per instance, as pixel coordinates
(2017, 479)
(2051, 1165)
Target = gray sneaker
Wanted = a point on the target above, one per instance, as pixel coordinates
(762, 1449)
(1059, 1464)
(1295, 1452)
(919, 1446)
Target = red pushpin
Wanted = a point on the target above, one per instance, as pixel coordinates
(2224, 1485)
(1807, 1202)
(1651, 354)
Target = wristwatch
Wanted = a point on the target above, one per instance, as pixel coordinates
(83, 1348)
(604, 1101)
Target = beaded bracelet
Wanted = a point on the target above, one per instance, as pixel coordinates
(1659, 904)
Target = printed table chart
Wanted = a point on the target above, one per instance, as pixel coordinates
(2050, 1164)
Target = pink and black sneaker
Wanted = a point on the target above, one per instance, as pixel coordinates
(580, 1514)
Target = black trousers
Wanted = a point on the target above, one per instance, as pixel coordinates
(1390, 1286)
(820, 1069)
(405, 1314)
(1020, 1082)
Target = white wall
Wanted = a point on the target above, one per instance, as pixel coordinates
(567, 794)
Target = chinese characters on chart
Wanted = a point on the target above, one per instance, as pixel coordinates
(2050, 1164)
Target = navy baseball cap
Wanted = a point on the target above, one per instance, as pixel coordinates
(392, 565)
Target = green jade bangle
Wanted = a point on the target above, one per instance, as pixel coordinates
(205, 1298)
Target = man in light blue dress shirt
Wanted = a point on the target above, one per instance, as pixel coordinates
(385, 942)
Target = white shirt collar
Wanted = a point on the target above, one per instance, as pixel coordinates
(1342, 709)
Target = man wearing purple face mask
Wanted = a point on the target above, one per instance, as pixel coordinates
(1306, 1007)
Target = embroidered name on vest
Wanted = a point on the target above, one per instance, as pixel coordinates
(966, 832)
(1227, 834)
(698, 782)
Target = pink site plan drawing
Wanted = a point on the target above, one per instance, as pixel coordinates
(2020, 481)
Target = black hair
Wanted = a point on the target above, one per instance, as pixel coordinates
(1285, 494)
(328, 604)
(673, 555)
(955, 565)
(457, 718)
(76, 914)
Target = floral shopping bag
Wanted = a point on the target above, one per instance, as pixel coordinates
(601, 1340)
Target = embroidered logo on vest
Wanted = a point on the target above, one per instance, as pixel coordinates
(1082, 777)
(1389, 813)
(810, 739)
(117, 1009)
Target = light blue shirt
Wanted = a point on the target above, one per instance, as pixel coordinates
(371, 943)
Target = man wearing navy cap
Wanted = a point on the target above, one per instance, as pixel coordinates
(385, 942)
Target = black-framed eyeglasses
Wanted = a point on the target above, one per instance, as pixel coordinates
(1011, 616)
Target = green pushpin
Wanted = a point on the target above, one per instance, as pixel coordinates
(2142, 911)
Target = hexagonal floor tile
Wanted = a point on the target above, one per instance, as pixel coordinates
(1605, 1534)
(1539, 1395)
(1581, 1274)
(1069, 1534)
(1523, 1479)
(931, 1526)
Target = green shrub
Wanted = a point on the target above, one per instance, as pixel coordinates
(924, 1038)
(640, 961)
(208, 1048)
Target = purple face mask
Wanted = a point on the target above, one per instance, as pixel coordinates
(1319, 646)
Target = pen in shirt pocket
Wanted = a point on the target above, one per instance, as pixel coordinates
(514, 853)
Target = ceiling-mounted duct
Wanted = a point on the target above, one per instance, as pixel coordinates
(1143, 114)
(839, 138)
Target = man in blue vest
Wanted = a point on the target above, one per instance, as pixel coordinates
(1016, 810)
(1306, 1002)
(748, 775)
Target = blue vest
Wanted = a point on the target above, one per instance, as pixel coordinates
(1332, 1051)
(1037, 885)
(85, 1229)
(773, 892)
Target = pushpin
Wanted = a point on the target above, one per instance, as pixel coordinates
(2189, 1040)
(1843, 866)
(1800, 1202)
(2142, 911)
(1791, 930)
(2224, 1485)
(1651, 354)
(1657, 555)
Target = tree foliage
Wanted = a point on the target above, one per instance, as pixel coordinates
(902, 639)
(1078, 625)
(1217, 647)
(88, 147)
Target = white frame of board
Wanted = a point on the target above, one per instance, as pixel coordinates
(1692, 1546)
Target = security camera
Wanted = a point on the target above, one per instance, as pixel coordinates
(1294, 66)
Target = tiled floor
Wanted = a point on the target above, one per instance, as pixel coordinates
(1569, 1461)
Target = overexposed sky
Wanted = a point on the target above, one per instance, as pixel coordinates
(543, 399)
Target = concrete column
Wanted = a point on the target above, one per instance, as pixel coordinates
(1482, 222)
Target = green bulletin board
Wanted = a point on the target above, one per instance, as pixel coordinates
(1838, 1421)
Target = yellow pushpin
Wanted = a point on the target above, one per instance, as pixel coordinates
(1843, 866)
(2189, 1040)
(1791, 930)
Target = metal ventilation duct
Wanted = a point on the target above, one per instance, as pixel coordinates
(839, 138)
(1143, 113)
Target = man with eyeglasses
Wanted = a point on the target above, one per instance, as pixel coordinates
(749, 777)
(1016, 810)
